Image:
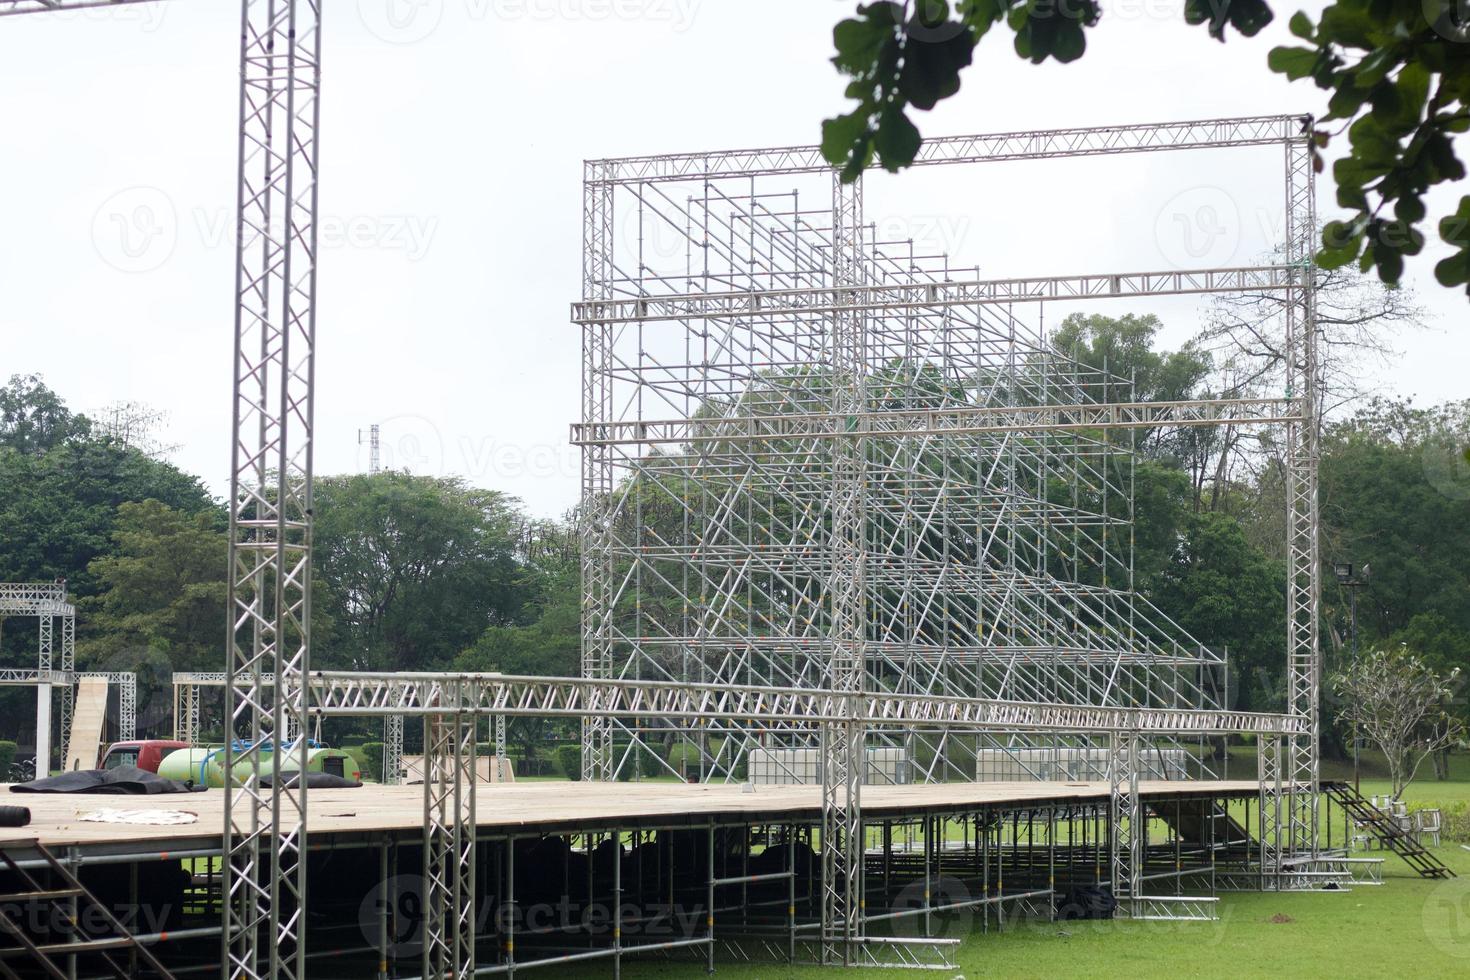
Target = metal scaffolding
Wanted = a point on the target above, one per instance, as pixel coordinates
(48, 602)
(814, 459)
(893, 515)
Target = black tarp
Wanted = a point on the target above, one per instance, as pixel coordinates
(124, 781)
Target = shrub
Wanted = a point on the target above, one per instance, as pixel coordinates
(7, 756)
(370, 755)
(569, 759)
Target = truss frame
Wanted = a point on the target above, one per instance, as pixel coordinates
(48, 602)
(771, 283)
(264, 874)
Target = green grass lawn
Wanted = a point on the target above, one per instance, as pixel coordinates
(1407, 927)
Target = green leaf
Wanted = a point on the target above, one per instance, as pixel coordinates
(1413, 86)
(897, 139)
(931, 68)
(841, 133)
(1069, 43)
(857, 43)
(1294, 63)
(1301, 25)
(1410, 208)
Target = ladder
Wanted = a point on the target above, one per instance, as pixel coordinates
(52, 957)
(1382, 826)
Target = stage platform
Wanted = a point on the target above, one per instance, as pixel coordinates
(552, 806)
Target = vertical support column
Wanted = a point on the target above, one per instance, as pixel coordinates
(264, 886)
(1273, 833)
(449, 845)
(392, 750)
(69, 668)
(127, 708)
(501, 763)
(843, 741)
(1303, 584)
(43, 699)
(191, 729)
(1127, 828)
(595, 524)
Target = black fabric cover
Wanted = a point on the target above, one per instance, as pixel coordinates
(124, 780)
(314, 780)
(1086, 902)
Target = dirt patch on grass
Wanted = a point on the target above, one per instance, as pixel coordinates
(1281, 918)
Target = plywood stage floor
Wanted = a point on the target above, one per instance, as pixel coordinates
(56, 821)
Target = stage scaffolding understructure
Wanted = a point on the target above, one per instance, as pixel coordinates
(50, 604)
(814, 458)
(853, 538)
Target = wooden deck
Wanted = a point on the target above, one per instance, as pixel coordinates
(538, 806)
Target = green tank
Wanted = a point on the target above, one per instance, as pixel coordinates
(204, 765)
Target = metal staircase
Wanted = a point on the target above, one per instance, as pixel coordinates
(1381, 826)
(73, 903)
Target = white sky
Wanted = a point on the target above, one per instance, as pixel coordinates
(452, 140)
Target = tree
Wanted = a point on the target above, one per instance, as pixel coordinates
(1358, 317)
(413, 569)
(58, 506)
(1398, 71)
(548, 646)
(162, 587)
(1381, 503)
(1223, 590)
(34, 419)
(1401, 704)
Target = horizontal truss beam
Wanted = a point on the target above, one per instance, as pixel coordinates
(971, 420)
(1022, 145)
(897, 297)
(355, 694)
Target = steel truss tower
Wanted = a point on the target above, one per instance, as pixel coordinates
(816, 459)
(270, 486)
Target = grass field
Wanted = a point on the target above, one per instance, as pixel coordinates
(1407, 927)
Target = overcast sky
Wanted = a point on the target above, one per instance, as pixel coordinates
(452, 139)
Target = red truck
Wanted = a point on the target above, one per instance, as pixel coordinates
(145, 754)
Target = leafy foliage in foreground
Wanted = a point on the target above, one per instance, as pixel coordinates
(1398, 71)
